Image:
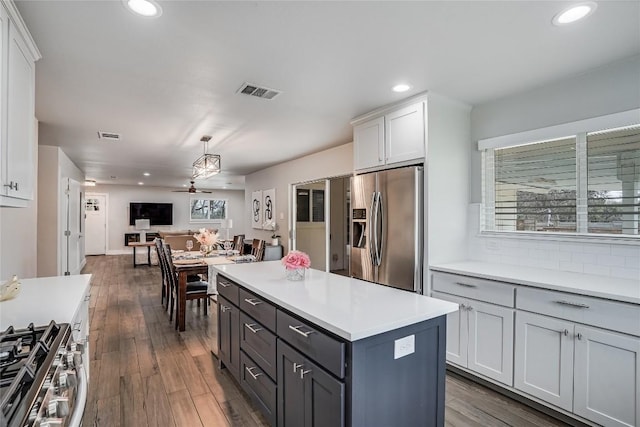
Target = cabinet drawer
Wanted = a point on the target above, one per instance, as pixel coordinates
(228, 289)
(259, 343)
(617, 316)
(313, 343)
(258, 308)
(475, 288)
(80, 322)
(259, 386)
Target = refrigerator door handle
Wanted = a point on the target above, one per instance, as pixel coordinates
(372, 223)
(380, 221)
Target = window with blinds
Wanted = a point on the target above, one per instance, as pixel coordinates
(535, 187)
(613, 181)
(586, 183)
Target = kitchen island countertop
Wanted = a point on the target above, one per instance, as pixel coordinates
(350, 308)
(625, 290)
(44, 299)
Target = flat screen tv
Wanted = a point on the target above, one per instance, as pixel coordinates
(156, 213)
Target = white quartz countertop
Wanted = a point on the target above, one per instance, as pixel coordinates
(625, 290)
(350, 308)
(44, 299)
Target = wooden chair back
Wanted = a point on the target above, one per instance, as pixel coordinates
(238, 243)
(257, 249)
(198, 292)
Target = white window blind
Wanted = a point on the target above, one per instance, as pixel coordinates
(613, 181)
(535, 187)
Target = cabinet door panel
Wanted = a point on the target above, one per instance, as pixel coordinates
(20, 118)
(368, 142)
(324, 398)
(229, 335)
(491, 341)
(544, 358)
(607, 377)
(457, 331)
(405, 134)
(291, 390)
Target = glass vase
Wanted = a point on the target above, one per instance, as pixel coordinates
(295, 274)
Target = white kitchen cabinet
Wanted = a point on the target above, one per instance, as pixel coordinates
(605, 362)
(390, 136)
(480, 338)
(544, 358)
(17, 121)
(368, 144)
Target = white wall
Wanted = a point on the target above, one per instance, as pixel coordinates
(606, 90)
(337, 161)
(121, 195)
(54, 167)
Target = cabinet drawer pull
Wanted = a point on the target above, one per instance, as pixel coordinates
(565, 332)
(76, 326)
(297, 366)
(250, 326)
(12, 185)
(303, 373)
(572, 304)
(466, 285)
(87, 298)
(253, 301)
(224, 308)
(297, 329)
(224, 285)
(579, 336)
(250, 370)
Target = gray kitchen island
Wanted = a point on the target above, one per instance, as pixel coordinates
(332, 350)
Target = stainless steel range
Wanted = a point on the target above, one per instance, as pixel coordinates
(42, 380)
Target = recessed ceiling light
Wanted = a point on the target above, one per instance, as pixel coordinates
(401, 87)
(146, 8)
(574, 13)
(146, 174)
(141, 183)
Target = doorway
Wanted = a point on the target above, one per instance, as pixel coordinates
(320, 219)
(95, 211)
(71, 227)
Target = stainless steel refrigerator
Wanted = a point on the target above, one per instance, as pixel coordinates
(387, 227)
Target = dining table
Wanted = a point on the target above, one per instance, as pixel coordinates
(191, 263)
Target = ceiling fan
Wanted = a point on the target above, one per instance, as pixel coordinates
(191, 189)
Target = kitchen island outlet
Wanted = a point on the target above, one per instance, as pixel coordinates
(332, 350)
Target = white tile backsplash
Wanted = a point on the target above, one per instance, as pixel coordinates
(601, 259)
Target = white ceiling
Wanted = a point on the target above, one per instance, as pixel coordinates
(163, 83)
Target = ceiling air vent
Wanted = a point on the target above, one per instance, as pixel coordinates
(111, 136)
(258, 91)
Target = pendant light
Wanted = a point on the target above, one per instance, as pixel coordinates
(206, 165)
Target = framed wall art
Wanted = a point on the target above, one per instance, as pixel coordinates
(269, 209)
(256, 209)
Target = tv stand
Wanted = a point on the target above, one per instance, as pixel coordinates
(135, 237)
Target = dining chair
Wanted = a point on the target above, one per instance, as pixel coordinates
(163, 271)
(257, 249)
(238, 243)
(195, 290)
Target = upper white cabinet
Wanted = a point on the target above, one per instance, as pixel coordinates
(389, 136)
(17, 119)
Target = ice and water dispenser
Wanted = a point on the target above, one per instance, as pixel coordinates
(359, 228)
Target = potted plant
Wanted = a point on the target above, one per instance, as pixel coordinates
(275, 239)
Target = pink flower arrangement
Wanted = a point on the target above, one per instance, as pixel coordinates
(206, 236)
(296, 259)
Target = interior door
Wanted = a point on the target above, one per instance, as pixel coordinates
(71, 242)
(95, 209)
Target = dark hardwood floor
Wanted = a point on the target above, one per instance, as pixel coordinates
(144, 373)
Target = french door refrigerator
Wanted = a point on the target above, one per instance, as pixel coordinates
(387, 227)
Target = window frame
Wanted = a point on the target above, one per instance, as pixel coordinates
(579, 130)
(208, 219)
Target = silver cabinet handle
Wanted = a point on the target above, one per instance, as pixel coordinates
(572, 304)
(466, 285)
(565, 332)
(297, 329)
(76, 326)
(224, 285)
(12, 185)
(579, 336)
(224, 308)
(250, 326)
(87, 298)
(253, 301)
(297, 366)
(303, 373)
(250, 370)
(463, 306)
